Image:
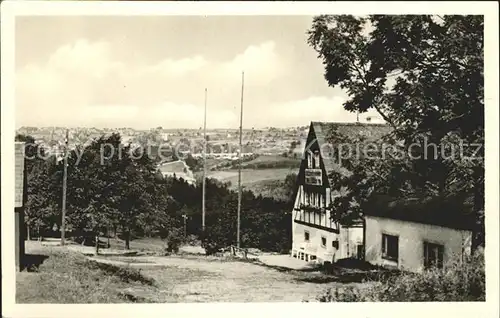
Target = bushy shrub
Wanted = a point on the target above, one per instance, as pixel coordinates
(174, 240)
(459, 281)
(211, 243)
(192, 240)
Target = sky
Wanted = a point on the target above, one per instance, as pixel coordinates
(150, 71)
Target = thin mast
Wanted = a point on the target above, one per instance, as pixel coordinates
(204, 164)
(239, 163)
(64, 185)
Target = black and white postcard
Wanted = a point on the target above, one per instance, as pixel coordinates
(249, 158)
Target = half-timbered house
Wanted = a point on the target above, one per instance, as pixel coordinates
(316, 236)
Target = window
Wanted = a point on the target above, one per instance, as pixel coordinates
(306, 236)
(335, 244)
(433, 255)
(309, 159)
(360, 252)
(390, 247)
(313, 177)
(323, 241)
(316, 159)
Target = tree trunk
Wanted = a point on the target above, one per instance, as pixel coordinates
(39, 234)
(109, 234)
(97, 243)
(127, 239)
(478, 234)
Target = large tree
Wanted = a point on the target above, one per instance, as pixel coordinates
(424, 76)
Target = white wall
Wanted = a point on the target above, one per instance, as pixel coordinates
(313, 247)
(411, 238)
(350, 238)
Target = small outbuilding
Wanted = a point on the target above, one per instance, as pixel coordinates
(415, 234)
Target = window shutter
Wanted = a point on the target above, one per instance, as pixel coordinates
(426, 255)
(384, 248)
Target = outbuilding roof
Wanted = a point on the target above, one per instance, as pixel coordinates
(442, 211)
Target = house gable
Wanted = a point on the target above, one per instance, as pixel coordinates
(308, 162)
(317, 141)
(312, 208)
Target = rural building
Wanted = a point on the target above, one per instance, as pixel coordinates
(413, 235)
(177, 169)
(20, 202)
(315, 236)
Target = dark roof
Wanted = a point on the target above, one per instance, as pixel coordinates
(172, 167)
(371, 131)
(447, 212)
(323, 131)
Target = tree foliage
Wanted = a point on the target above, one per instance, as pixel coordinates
(424, 76)
(111, 186)
(264, 221)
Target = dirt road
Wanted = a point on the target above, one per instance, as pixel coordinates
(202, 279)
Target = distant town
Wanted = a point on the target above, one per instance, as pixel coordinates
(222, 143)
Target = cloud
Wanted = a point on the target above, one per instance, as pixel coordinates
(260, 63)
(314, 108)
(171, 67)
(85, 84)
(189, 115)
(84, 60)
(87, 75)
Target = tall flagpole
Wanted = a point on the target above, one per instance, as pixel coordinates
(204, 164)
(239, 163)
(64, 185)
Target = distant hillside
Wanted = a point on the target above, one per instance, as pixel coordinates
(269, 188)
(271, 162)
(251, 176)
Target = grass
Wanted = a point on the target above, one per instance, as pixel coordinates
(66, 277)
(262, 175)
(56, 275)
(140, 244)
(459, 281)
(251, 176)
(125, 259)
(272, 162)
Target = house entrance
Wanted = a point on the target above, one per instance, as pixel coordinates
(360, 252)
